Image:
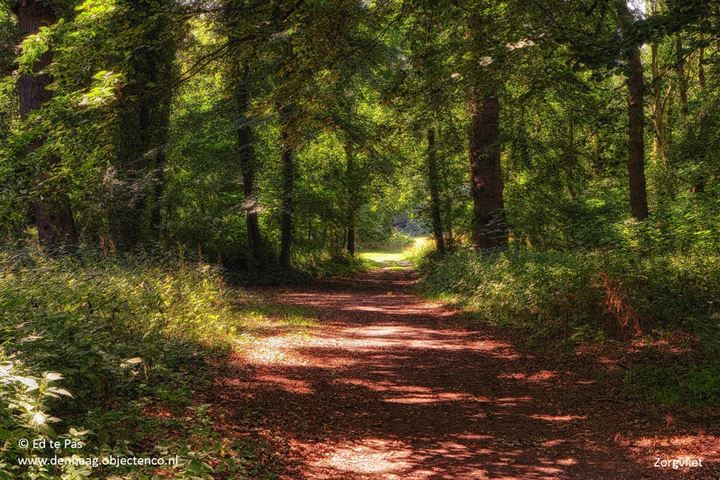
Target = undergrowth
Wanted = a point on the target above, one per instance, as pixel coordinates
(559, 299)
(113, 350)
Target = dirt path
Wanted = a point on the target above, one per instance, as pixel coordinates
(389, 386)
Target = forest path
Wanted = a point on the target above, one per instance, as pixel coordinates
(388, 385)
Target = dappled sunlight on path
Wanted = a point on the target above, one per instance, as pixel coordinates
(389, 386)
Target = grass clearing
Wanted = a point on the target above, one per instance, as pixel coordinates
(395, 257)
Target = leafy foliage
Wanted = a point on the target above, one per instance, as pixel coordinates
(551, 292)
(266, 139)
(126, 337)
(25, 416)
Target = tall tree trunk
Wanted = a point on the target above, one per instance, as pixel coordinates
(287, 113)
(701, 67)
(447, 204)
(657, 109)
(52, 211)
(247, 166)
(682, 79)
(683, 86)
(142, 132)
(350, 245)
(636, 121)
(699, 183)
(448, 228)
(351, 199)
(658, 102)
(448, 214)
(571, 159)
(433, 187)
(288, 180)
(489, 228)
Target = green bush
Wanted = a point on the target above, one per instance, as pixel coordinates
(522, 288)
(696, 385)
(105, 322)
(126, 333)
(25, 416)
(552, 295)
(550, 291)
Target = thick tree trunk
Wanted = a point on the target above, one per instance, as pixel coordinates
(351, 200)
(288, 181)
(53, 215)
(636, 140)
(247, 167)
(636, 123)
(287, 113)
(143, 124)
(433, 187)
(489, 228)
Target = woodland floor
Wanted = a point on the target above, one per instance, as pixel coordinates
(387, 385)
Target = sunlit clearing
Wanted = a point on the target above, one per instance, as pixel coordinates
(396, 258)
(374, 456)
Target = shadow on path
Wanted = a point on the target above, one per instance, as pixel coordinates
(390, 386)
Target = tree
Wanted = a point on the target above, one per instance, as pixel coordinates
(52, 210)
(486, 179)
(143, 119)
(636, 117)
(287, 111)
(247, 161)
(351, 198)
(489, 229)
(287, 172)
(427, 93)
(434, 188)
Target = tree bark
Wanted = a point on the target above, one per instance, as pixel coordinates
(288, 180)
(142, 132)
(351, 237)
(571, 159)
(658, 102)
(351, 199)
(658, 109)
(489, 228)
(636, 122)
(246, 156)
(286, 113)
(682, 79)
(447, 213)
(433, 187)
(52, 211)
(699, 183)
